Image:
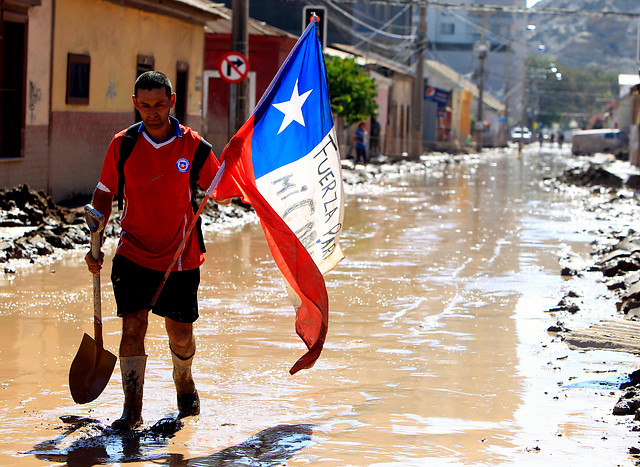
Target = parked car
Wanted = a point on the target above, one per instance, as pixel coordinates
(604, 140)
(520, 133)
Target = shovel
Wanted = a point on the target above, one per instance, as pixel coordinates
(92, 366)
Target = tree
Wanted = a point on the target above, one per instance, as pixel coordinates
(352, 90)
(559, 94)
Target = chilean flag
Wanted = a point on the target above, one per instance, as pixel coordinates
(284, 161)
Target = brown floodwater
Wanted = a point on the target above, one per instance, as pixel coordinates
(437, 351)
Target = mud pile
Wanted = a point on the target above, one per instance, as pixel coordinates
(35, 227)
(616, 250)
(616, 255)
(591, 175)
(46, 225)
(620, 267)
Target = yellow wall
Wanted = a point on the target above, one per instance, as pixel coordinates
(39, 64)
(465, 113)
(461, 115)
(113, 36)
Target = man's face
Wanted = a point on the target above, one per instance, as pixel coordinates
(154, 106)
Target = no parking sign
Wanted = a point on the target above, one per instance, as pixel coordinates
(233, 67)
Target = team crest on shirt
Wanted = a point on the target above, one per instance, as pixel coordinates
(182, 165)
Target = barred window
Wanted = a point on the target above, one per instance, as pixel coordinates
(78, 73)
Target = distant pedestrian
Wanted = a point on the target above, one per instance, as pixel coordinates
(360, 142)
(560, 139)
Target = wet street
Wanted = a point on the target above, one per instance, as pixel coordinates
(437, 352)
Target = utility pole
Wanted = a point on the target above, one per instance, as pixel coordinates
(482, 54)
(506, 84)
(638, 47)
(634, 145)
(238, 92)
(418, 86)
(523, 114)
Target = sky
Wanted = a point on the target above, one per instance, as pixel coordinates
(530, 3)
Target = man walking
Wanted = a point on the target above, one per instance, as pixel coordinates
(158, 209)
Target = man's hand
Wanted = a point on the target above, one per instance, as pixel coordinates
(94, 266)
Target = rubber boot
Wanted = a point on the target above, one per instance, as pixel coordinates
(132, 369)
(188, 399)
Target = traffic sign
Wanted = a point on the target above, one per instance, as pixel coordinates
(233, 67)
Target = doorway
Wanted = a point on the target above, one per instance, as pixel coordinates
(12, 88)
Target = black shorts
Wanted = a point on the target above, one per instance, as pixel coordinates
(134, 287)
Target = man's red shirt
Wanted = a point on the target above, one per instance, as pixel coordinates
(157, 198)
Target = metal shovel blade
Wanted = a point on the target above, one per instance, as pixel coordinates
(90, 371)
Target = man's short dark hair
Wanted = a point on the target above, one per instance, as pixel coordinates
(153, 80)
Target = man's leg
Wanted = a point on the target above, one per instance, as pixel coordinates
(132, 366)
(183, 347)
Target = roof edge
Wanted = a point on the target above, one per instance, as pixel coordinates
(190, 11)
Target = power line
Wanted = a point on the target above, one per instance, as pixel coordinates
(397, 15)
(502, 8)
(367, 26)
(543, 11)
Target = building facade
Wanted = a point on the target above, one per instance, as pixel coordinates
(73, 64)
(268, 49)
(453, 35)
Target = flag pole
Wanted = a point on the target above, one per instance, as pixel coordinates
(192, 224)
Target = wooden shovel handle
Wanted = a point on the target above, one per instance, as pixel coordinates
(95, 222)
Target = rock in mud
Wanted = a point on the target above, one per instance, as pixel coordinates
(566, 304)
(592, 175)
(629, 402)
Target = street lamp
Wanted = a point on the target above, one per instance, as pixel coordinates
(555, 71)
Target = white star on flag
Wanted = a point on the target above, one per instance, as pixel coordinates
(292, 109)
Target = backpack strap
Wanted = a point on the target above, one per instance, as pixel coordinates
(199, 158)
(126, 147)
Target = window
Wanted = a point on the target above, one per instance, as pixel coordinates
(78, 72)
(144, 63)
(12, 86)
(448, 29)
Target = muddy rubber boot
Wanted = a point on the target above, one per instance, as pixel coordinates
(188, 399)
(132, 369)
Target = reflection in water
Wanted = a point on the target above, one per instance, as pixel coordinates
(270, 447)
(92, 443)
(86, 442)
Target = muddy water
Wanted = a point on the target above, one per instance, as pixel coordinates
(437, 352)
